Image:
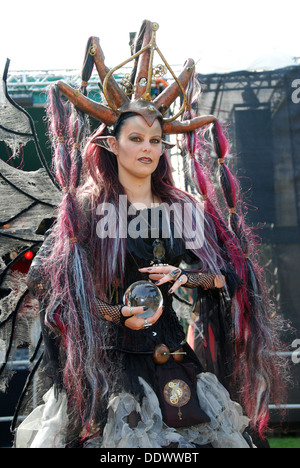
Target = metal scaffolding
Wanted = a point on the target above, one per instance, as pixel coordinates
(32, 85)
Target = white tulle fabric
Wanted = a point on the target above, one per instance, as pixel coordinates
(44, 427)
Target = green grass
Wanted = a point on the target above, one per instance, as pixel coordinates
(284, 442)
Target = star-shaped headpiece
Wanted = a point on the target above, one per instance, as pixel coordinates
(140, 101)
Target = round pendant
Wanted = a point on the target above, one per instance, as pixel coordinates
(158, 249)
(177, 393)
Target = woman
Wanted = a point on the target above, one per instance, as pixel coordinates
(127, 369)
(116, 378)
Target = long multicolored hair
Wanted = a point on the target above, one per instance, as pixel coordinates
(71, 306)
(260, 373)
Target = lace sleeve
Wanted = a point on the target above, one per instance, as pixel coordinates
(113, 313)
(204, 280)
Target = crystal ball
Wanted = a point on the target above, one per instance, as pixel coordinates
(143, 293)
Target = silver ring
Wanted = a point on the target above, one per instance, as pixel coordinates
(147, 324)
(180, 279)
(175, 273)
(130, 310)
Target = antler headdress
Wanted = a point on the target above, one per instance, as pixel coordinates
(140, 101)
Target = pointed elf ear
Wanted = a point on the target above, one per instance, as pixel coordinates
(167, 145)
(107, 142)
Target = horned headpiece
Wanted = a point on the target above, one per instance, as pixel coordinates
(139, 100)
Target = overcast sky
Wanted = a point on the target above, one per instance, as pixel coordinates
(220, 35)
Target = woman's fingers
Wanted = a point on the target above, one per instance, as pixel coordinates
(132, 323)
(180, 282)
(161, 273)
(157, 276)
(157, 269)
(164, 274)
(128, 311)
(156, 315)
(138, 323)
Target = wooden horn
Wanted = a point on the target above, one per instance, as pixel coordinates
(169, 94)
(143, 63)
(118, 96)
(97, 111)
(187, 125)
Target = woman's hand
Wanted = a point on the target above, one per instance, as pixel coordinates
(167, 273)
(164, 274)
(134, 322)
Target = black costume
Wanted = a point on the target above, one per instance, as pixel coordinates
(138, 378)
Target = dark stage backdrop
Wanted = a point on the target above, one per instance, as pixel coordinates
(262, 114)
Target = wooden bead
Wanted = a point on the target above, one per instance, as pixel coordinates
(178, 357)
(161, 354)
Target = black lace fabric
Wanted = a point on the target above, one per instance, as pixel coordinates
(36, 282)
(36, 278)
(203, 280)
(110, 312)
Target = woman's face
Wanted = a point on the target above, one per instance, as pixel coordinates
(138, 147)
